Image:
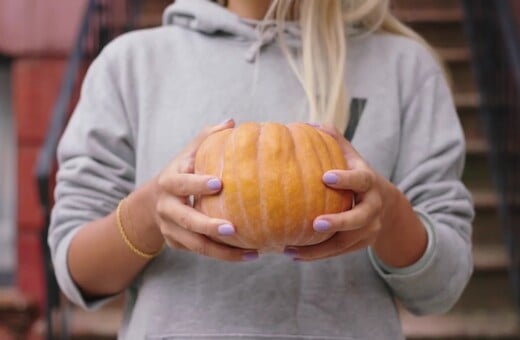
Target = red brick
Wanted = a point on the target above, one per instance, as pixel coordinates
(30, 275)
(36, 85)
(29, 214)
(31, 27)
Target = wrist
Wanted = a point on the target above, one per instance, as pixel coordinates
(142, 223)
(403, 238)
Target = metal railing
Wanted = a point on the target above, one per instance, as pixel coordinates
(493, 31)
(99, 25)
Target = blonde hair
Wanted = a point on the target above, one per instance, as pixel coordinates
(324, 25)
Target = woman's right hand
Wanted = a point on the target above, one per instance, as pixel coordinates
(184, 227)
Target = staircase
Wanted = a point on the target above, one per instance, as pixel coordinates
(486, 309)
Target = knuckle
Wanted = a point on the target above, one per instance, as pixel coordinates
(367, 180)
(378, 203)
(181, 188)
(162, 181)
(185, 221)
(161, 208)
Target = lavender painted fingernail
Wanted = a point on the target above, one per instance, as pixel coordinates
(226, 229)
(226, 121)
(321, 225)
(249, 256)
(330, 178)
(214, 184)
(314, 124)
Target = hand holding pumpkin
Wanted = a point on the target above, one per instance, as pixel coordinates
(356, 228)
(184, 227)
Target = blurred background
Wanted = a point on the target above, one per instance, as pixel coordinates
(45, 48)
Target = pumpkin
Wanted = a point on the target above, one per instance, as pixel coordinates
(272, 183)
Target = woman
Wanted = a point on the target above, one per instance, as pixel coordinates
(349, 64)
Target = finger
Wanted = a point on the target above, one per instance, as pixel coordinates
(357, 180)
(183, 185)
(362, 214)
(355, 247)
(191, 149)
(339, 243)
(202, 245)
(173, 211)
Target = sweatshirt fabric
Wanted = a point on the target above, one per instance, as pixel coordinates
(151, 91)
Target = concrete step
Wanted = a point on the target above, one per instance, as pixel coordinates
(425, 4)
(467, 100)
(429, 15)
(480, 325)
(457, 54)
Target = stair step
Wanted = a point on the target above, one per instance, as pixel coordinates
(454, 54)
(485, 199)
(475, 326)
(429, 15)
(467, 100)
(426, 4)
(477, 146)
(492, 257)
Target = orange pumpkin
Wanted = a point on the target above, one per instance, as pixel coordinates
(272, 183)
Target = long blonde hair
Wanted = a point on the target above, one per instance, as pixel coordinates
(324, 25)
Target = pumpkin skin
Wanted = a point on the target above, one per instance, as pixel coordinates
(272, 183)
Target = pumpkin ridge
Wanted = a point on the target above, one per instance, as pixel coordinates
(221, 200)
(284, 190)
(305, 190)
(235, 178)
(310, 134)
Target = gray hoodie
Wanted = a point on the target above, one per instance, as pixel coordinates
(151, 91)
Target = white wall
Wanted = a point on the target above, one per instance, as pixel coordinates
(7, 178)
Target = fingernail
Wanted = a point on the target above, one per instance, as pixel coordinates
(226, 229)
(291, 252)
(321, 225)
(214, 184)
(249, 256)
(314, 124)
(226, 121)
(330, 178)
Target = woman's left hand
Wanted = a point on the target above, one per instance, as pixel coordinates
(356, 228)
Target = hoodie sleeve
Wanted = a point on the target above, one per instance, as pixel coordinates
(428, 172)
(96, 168)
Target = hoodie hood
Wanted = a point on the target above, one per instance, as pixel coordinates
(210, 18)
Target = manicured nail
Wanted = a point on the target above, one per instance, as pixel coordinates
(214, 184)
(291, 252)
(321, 225)
(314, 124)
(226, 121)
(330, 178)
(249, 256)
(226, 229)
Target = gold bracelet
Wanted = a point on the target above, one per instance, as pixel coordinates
(127, 240)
